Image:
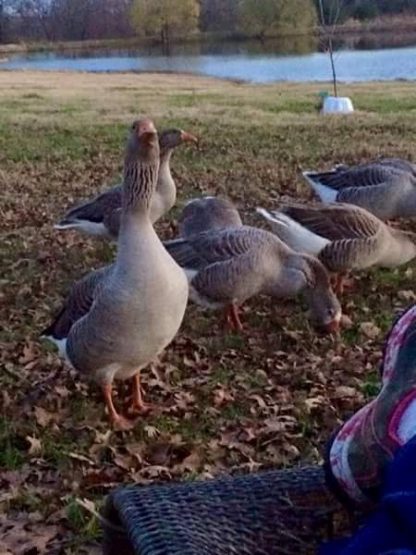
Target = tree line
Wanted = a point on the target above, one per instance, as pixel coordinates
(61, 20)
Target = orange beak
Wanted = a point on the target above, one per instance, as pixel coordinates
(333, 327)
(189, 138)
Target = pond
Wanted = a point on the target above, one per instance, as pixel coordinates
(358, 58)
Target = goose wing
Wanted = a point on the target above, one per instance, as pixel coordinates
(355, 177)
(96, 209)
(77, 304)
(335, 221)
(206, 248)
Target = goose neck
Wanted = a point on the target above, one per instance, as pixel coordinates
(138, 186)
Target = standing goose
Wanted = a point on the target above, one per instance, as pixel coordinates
(118, 319)
(227, 267)
(101, 215)
(343, 236)
(207, 213)
(386, 188)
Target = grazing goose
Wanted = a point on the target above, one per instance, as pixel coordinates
(101, 215)
(226, 267)
(118, 319)
(207, 213)
(343, 236)
(385, 188)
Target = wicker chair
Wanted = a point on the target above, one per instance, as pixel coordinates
(274, 512)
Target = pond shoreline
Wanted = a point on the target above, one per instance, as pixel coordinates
(375, 27)
(196, 75)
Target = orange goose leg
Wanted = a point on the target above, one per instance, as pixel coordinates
(232, 318)
(118, 421)
(137, 402)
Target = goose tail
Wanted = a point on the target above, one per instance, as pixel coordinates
(50, 335)
(86, 226)
(293, 233)
(324, 192)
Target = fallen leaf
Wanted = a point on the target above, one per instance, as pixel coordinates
(43, 417)
(35, 445)
(370, 330)
(408, 296)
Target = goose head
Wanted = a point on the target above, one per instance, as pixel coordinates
(325, 310)
(142, 144)
(171, 138)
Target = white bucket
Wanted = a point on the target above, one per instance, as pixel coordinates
(337, 105)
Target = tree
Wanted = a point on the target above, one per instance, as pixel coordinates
(165, 18)
(219, 15)
(268, 17)
(35, 16)
(331, 13)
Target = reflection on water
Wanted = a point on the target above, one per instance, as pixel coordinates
(298, 58)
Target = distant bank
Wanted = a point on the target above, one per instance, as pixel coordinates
(403, 23)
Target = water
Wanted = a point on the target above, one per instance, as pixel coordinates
(362, 58)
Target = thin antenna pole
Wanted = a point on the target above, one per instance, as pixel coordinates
(328, 35)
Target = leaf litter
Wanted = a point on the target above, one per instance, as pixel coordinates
(269, 397)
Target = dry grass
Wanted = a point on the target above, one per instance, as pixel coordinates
(269, 397)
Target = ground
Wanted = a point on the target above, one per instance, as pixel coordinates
(269, 397)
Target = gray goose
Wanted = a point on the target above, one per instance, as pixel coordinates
(344, 237)
(208, 213)
(226, 267)
(118, 319)
(386, 188)
(101, 215)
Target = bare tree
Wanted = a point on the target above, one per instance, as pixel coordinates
(330, 12)
(35, 18)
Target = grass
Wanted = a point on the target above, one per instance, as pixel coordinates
(61, 140)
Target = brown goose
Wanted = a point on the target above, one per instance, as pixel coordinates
(228, 266)
(386, 188)
(101, 215)
(118, 319)
(343, 236)
(208, 213)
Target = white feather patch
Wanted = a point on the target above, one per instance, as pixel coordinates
(60, 344)
(325, 193)
(295, 235)
(91, 228)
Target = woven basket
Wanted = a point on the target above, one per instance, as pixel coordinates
(276, 512)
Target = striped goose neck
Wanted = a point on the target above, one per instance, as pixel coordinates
(139, 185)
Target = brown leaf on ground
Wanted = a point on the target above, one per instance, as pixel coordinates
(20, 537)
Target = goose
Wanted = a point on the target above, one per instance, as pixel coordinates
(228, 266)
(386, 188)
(207, 213)
(343, 236)
(117, 319)
(101, 215)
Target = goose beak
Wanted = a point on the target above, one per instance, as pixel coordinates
(333, 326)
(189, 138)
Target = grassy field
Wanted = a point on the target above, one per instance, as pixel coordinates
(268, 397)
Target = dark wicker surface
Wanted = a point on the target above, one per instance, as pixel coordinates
(275, 512)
